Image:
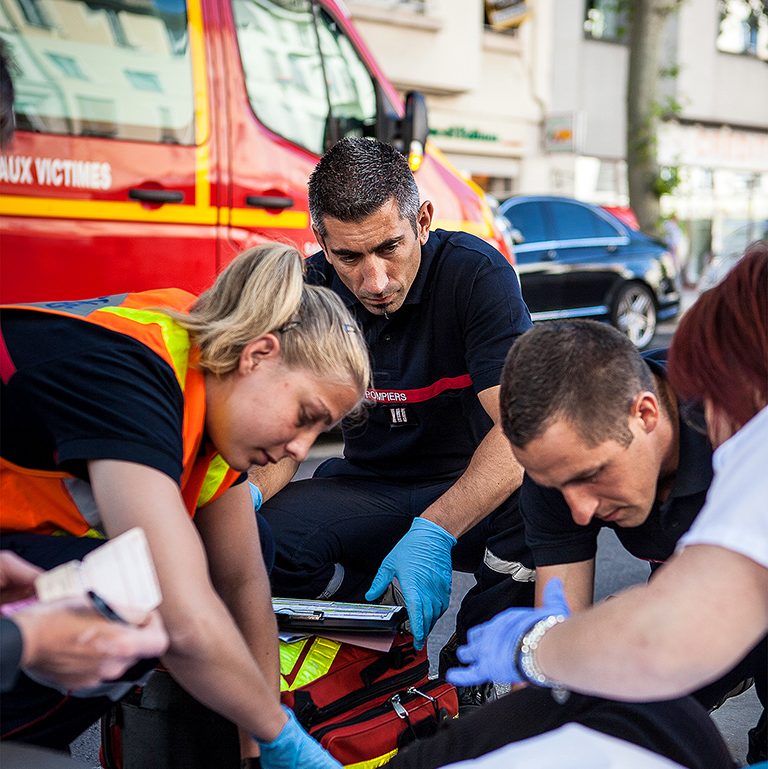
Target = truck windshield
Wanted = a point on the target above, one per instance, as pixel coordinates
(284, 74)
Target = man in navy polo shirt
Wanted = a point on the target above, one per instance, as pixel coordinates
(428, 480)
(605, 444)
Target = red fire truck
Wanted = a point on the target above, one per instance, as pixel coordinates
(158, 138)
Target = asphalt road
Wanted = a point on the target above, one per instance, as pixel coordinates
(616, 570)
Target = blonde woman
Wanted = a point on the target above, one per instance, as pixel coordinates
(146, 409)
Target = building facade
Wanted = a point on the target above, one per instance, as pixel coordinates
(540, 107)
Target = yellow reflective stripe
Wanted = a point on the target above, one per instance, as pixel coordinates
(217, 469)
(91, 533)
(317, 663)
(289, 655)
(175, 337)
(372, 763)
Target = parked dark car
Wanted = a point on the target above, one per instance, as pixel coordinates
(576, 260)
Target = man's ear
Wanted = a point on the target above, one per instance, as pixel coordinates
(645, 407)
(424, 221)
(262, 348)
(321, 240)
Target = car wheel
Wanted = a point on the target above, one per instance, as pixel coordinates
(634, 314)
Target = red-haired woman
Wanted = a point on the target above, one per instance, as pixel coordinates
(708, 606)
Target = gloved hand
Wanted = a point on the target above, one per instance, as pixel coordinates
(490, 649)
(256, 495)
(421, 561)
(293, 748)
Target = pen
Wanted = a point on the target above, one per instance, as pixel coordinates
(104, 608)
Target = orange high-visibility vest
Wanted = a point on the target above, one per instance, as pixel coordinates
(45, 502)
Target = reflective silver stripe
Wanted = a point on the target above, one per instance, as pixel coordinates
(515, 569)
(576, 312)
(82, 307)
(335, 582)
(82, 496)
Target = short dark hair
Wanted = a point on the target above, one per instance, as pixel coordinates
(720, 349)
(356, 177)
(585, 372)
(7, 119)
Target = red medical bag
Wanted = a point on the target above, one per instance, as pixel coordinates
(361, 705)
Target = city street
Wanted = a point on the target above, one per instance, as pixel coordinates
(224, 222)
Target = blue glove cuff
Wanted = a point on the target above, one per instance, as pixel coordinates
(435, 528)
(256, 496)
(290, 725)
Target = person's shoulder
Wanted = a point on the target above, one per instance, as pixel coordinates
(464, 249)
(318, 271)
(656, 359)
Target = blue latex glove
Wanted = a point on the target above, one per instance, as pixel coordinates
(293, 748)
(256, 495)
(421, 561)
(490, 648)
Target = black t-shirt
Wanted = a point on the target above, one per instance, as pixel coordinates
(82, 392)
(445, 344)
(555, 538)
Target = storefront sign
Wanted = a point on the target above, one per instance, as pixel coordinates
(459, 132)
(562, 132)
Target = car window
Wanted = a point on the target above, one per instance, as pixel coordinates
(572, 221)
(529, 219)
(286, 77)
(108, 68)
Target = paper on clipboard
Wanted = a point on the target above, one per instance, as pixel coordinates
(319, 616)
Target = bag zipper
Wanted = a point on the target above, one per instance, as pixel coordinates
(354, 699)
(394, 703)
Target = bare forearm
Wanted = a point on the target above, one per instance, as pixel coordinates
(271, 478)
(251, 607)
(491, 476)
(685, 628)
(210, 659)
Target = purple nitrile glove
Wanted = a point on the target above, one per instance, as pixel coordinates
(421, 561)
(490, 650)
(293, 748)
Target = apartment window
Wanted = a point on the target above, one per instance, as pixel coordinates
(145, 81)
(743, 28)
(33, 14)
(607, 20)
(68, 66)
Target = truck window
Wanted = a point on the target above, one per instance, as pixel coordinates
(118, 68)
(284, 72)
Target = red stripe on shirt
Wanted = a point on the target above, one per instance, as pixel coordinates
(420, 394)
(7, 369)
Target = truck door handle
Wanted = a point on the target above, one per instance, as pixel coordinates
(269, 201)
(156, 196)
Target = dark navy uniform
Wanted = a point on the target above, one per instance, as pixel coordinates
(431, 358)
(555, 538)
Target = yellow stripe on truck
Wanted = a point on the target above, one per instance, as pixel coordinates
(129, 211)
(254, 217)
(202, 109)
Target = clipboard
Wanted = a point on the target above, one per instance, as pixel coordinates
(317, 617)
